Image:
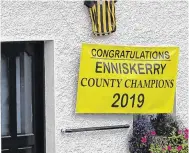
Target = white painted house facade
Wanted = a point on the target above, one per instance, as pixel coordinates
(62, 26)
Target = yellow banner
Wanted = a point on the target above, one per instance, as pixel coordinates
(126, 79)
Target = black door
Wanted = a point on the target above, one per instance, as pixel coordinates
(22, 97)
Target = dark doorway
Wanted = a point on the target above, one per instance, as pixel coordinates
(22, 97)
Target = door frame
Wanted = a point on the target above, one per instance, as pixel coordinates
(38, 67)
(49, 102)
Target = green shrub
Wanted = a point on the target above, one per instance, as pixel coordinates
(177, 142)
(164, 124)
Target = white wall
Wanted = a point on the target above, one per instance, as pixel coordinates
(68, 24)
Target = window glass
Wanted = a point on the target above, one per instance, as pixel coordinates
(4, 97)
(24, 93)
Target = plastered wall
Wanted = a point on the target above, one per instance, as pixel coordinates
(67, 23)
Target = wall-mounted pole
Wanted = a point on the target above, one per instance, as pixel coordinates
(95, 128)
